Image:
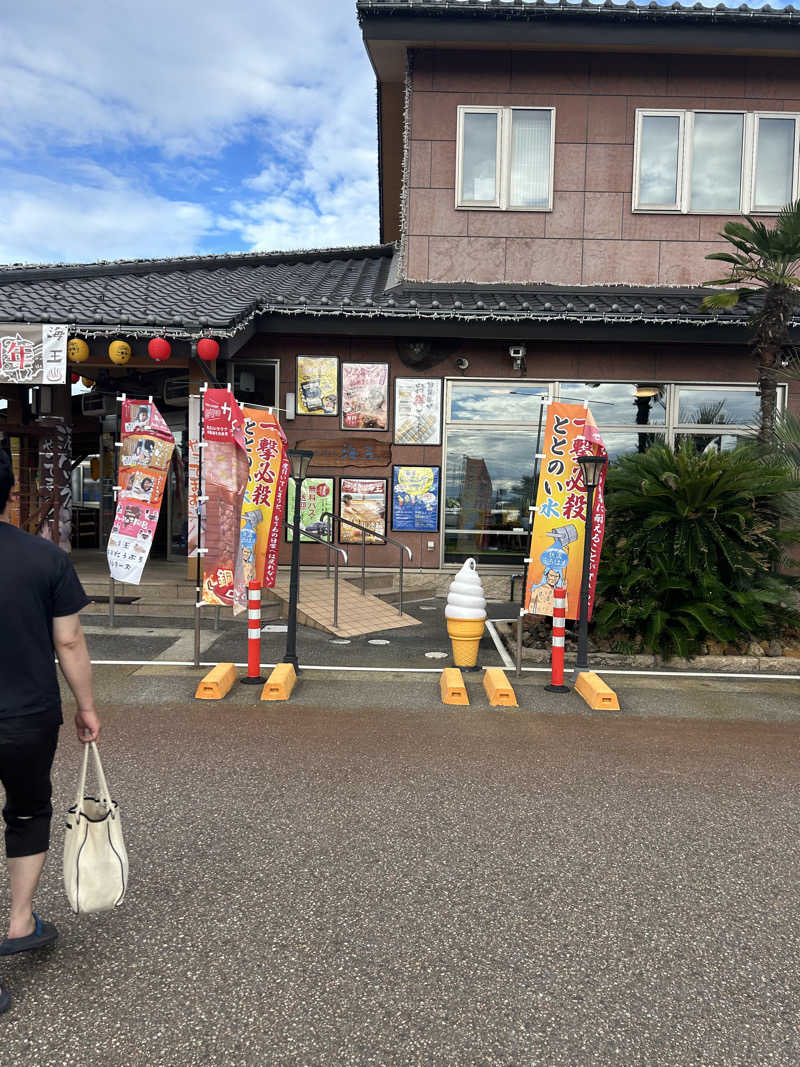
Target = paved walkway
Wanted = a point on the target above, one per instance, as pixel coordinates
(343, 881)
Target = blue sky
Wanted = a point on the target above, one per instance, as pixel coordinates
(176, 127)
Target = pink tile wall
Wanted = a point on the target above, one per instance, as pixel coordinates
(591, 236)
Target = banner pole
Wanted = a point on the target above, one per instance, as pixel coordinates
(198, 569)
(115, 461)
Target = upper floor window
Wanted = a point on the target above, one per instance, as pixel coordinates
(505, 158)
(715, 162)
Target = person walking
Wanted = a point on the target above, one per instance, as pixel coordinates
(40, 597)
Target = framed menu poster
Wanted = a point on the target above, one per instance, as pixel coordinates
(317, 385)
(417, 411)
(316, 497)
(415, 498)
(363, 500)
(365, 396)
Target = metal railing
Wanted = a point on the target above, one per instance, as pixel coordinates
(381, 539)
(330, 547)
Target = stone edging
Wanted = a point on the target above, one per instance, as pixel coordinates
(613, 661)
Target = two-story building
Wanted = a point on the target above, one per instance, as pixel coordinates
(552, 177)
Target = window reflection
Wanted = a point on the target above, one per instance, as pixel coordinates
(716, 161)
(615, 403)
(704, 442)
(470, 402)
(658, 173)
(620, 444)
(717, 407)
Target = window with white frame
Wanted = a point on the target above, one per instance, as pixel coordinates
(505, 158)
(715, 162)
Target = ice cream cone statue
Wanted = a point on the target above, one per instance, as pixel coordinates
(466, 614)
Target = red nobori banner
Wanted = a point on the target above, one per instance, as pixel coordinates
(264, 498)
(559, 525)
(224, 465)
(147, 446)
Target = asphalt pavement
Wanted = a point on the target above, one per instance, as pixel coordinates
(363, 876)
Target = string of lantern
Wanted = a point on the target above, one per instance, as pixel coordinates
(159, 349)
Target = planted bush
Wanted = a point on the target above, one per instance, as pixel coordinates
(692, 547)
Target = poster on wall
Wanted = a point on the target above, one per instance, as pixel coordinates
(560, 519)
(145, 456)
(316, 497)
(33, 354)
(363, 500)
(415, 498)
(264, 499)
(317, 385)
(365, 396)
(224, 473)
(417, 411)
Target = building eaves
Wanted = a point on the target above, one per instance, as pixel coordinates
(225, 295)
(609, 10)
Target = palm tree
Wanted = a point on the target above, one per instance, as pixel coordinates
(764, 265)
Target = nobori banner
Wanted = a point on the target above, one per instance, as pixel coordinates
(560, 521)
(33, 354)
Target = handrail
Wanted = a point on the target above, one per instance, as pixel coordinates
(329, 545)
(382, 537)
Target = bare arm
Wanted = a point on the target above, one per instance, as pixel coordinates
(73, 656)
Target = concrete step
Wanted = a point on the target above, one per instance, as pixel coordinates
(177, 609)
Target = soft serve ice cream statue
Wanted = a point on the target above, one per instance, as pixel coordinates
(466, 614)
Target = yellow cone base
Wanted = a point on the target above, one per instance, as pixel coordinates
(465, 637)
(595, 692)
(452, 686)
(217, 682)
(280, 683)
(498, 688)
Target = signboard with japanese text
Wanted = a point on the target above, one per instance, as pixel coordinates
(559, 524)
(145, 456)
(33, 354)
(317, 385)
(415, 498)
(316, 497)
(365, 396)
(224, 476)
(363, 501)
(354, 451)
(264, 499)
(417, 411)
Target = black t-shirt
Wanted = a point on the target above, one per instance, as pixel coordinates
(37, 584)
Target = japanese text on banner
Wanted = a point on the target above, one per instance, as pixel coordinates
(264, 499)
(224, 466)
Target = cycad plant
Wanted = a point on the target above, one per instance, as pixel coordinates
(692, 544)
(764, 266)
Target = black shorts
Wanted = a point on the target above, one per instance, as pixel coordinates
(27, 747)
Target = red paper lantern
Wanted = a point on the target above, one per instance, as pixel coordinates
(75, 378)
(159, 349)
(207, 348)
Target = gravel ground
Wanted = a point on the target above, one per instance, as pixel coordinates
(427, 886)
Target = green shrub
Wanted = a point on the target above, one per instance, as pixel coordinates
(692, 547)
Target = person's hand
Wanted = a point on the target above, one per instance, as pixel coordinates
(87, 723)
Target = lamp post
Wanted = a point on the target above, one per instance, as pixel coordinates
(592, 470)
(299, 459)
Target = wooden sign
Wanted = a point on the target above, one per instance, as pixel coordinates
(347, 452)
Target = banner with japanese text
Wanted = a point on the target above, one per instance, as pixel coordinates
(193, 479)
(33, 354)
(224, 475)
(264, 499)
(145, 456)
(559, 524)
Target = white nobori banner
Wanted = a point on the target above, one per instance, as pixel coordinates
(33, 353)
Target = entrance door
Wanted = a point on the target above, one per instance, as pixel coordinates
(490, 456)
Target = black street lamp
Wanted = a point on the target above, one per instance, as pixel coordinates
(299, 459)
(592, 470)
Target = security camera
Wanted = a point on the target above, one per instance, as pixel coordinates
(517, 354)
(462, 363)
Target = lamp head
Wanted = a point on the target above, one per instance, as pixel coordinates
(299, 458)
(592, 469)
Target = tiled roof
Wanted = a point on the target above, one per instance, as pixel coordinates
(535, 9)
(221, 295)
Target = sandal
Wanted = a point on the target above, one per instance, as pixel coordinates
(43, 934)
(5, 1000)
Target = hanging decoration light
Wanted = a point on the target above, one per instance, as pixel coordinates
(119, 352)
(159, 349)
(77, 350)
(207, 349)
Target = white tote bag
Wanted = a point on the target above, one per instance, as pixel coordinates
(95, 860)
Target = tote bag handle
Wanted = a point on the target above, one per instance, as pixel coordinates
(105, 796)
